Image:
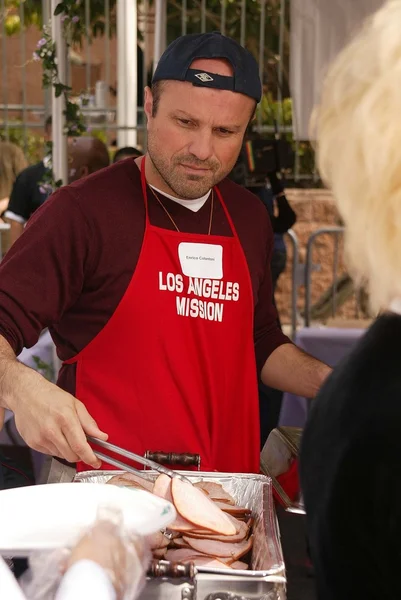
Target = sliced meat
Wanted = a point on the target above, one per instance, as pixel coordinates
(237, 537)
(159, 552)
(162, 488)
(215, 491)
(220, 549)
(180, 554)
(237, 511)
(157, 540)
(239, 565)
(206, 561)
(193, 504)
(179, 543)
(129, 479)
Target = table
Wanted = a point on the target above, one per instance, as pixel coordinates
(328, 344)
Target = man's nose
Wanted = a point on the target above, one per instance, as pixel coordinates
(201, 145)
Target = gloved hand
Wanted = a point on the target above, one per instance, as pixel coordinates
(124, 557)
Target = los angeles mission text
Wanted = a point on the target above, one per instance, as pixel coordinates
(199, 298)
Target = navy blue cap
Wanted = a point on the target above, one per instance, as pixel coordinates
(175, 64)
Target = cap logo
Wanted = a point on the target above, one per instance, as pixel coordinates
(204, 77)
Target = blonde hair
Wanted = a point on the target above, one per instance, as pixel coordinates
(12, 162)
(358, 135)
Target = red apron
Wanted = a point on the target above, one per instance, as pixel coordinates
(174, 368)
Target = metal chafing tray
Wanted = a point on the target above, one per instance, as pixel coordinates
(266, 578)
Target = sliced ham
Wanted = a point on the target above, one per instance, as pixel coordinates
(219, 549)
(181, 554)
(237, 537)
(192, 503)
(162, 488)
(159, 552)
(207, 561)
(237, 511)
(131, 480)
(179, 543)
(215, 491)
(239, 565)
(157, 540)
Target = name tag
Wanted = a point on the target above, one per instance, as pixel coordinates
(201, 260)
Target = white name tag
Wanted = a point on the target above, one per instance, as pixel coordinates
(201, 260)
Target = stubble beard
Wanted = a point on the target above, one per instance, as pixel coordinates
(183, 185)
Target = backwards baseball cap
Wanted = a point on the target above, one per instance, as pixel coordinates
(176, 61)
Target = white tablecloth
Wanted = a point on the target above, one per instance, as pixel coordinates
(328, 344)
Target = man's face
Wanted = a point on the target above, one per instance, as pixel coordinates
(196, 135)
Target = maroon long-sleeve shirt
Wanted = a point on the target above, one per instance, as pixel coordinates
(71, 267)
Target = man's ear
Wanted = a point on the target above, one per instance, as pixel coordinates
(148, 104)
(83, 171)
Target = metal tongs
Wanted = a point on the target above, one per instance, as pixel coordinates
(130, 455)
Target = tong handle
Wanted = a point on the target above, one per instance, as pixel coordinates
(131, 456)
(185, 459)
(176, 570)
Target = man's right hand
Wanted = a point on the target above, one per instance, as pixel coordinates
(54, 422)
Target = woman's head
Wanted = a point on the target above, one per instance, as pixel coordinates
(12, 162)
(358, 132)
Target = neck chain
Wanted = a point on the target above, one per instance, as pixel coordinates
(171, 218)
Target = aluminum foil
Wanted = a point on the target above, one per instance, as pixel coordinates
(253, 492)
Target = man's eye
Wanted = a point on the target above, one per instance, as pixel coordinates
(184, 121)
(224, 131)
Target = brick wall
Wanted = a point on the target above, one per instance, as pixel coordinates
(315, 209)
(15, 71)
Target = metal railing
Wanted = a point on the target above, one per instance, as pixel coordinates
(261, 25)
(295, 280)
(337, 233)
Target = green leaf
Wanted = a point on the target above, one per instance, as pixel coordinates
(59, 9)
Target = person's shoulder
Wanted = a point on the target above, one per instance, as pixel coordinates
(31, 173)
(119, 179)
(107, 193)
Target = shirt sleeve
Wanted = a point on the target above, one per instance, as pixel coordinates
(267, 332)
(86, 579)
(43, 273)
(20, 201)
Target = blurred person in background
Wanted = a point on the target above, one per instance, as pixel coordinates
(85, 154)
(12, 162)
(27, 193)
(350, 452)
(282, 218)
(126, 152)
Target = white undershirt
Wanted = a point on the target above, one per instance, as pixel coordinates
(193, 205)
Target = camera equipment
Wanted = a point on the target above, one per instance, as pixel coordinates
(260, 156)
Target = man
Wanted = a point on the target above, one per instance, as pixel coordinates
(157, 288)
(126, 152)
(86, 154)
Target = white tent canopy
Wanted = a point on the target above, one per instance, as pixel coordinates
(319, 30)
